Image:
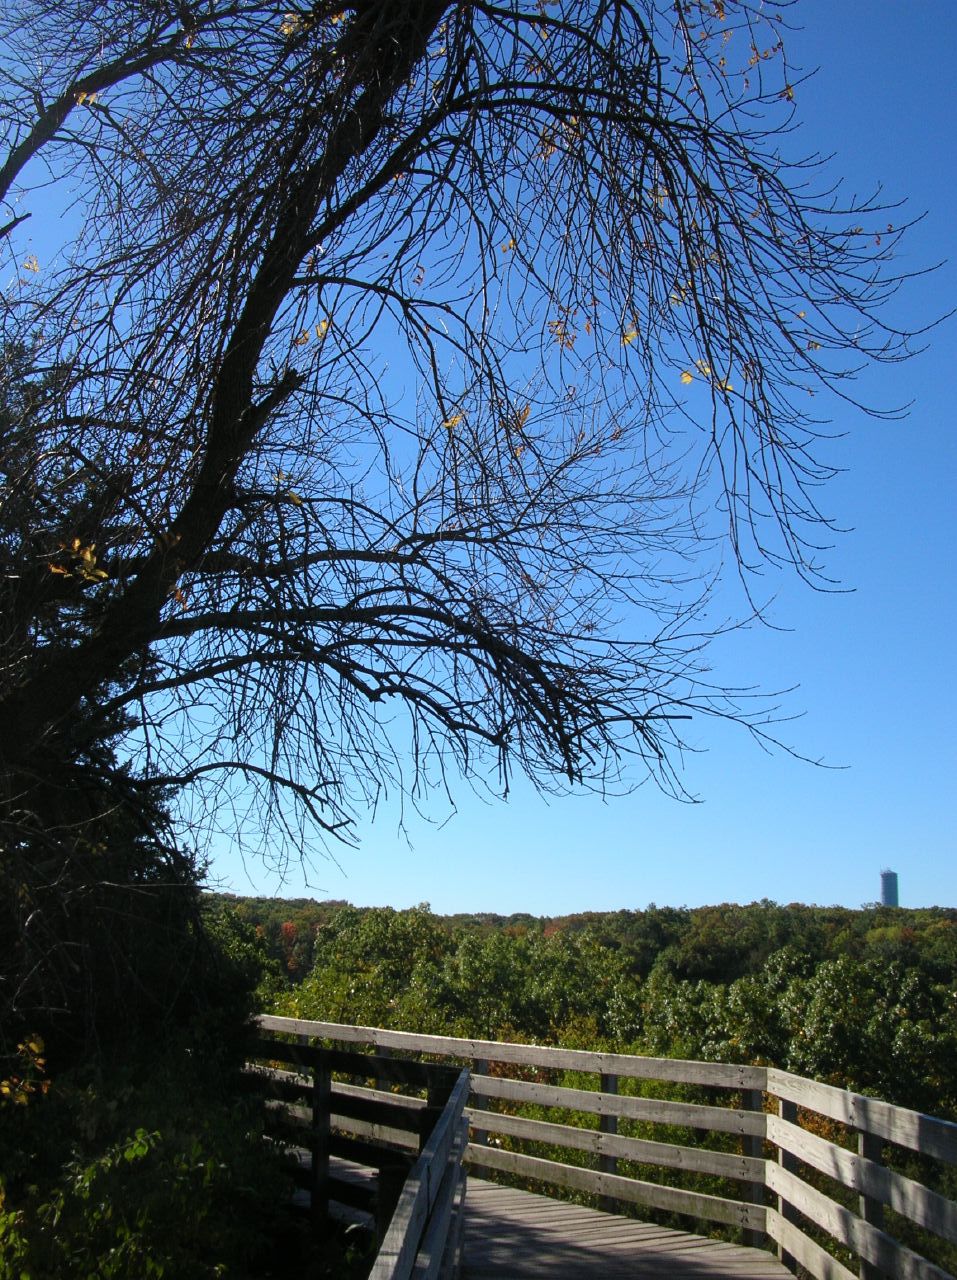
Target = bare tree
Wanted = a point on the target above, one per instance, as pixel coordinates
(392, 384)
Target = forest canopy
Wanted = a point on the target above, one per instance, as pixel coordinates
(864, 999)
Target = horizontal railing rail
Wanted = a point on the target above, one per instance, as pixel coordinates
(801, 1185)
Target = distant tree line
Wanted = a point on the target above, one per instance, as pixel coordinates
(865, 999)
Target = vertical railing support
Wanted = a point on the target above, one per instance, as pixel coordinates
(390, 1181)
(436, 1098)
(319, 1141)
(752, 1145)
(608, 1124)
(870, 1147)
(787, 1111)
(477, 1103)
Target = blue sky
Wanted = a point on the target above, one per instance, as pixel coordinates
(873, 668)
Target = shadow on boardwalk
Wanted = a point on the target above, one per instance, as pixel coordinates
(511, 1235)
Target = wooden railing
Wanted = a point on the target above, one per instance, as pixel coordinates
(412, 1145)
(802, 1187)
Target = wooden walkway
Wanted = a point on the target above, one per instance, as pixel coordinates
(514, 1235)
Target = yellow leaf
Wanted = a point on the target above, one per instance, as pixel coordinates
(548, 147)
(85, 565)
(560, 331)
(516, 421)
(302, 339)
(294, 498)
(703, 368)
(31, 263)
(628, 337)
(687, 377)
(453, 421)
(724, 386)
(322, 328)
(787, 93)
(813, 346)
(508, 246)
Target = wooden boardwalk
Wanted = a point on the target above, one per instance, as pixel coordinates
(514, 1235)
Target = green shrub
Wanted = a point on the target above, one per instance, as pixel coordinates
(146, 1172)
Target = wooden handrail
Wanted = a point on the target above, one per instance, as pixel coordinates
(718, 1075)
(927, 1135)
(417, 1202)
(773, 1114)
(419, 1232)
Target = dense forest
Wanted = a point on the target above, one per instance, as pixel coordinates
(863, 999)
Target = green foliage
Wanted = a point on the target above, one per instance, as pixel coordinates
(136, 1157)
(378, 967)
(246, 970)
(866, 999)
(154, 1169)
(410, 970)
(885, 1030)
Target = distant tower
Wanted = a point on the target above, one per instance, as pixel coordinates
(889, 889)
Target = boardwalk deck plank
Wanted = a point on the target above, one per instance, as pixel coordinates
(515, 1235)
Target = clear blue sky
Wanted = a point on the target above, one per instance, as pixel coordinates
(874, 668)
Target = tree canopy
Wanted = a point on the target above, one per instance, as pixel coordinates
(861, 999)
(384, 387)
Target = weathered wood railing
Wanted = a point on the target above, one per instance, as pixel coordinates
(799, 1186)
(415, 1145)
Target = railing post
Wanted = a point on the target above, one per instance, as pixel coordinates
(870, 1147)
(479, 1068)
(319, 1141)
(390, 1181)
(787, 1111)
(436, 1098)
(608, 1124)
(752, 1144)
